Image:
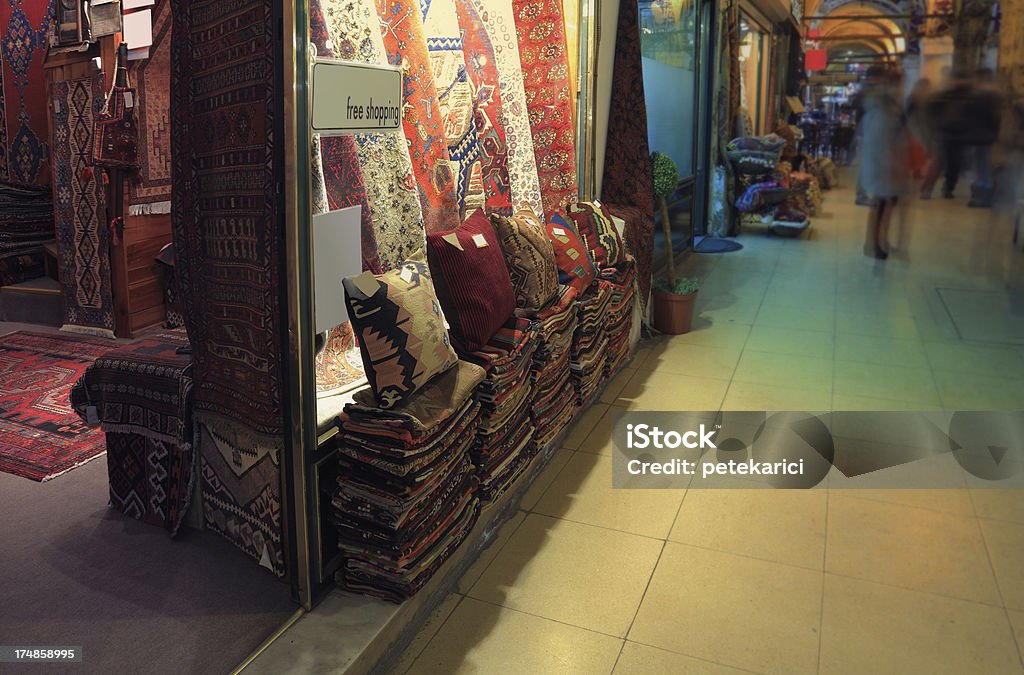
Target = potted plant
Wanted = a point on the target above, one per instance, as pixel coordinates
(674, 298)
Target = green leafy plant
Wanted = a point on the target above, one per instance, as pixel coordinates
(681, 286)
(666, 181)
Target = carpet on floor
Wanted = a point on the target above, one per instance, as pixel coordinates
(717, 245)
(41, 437)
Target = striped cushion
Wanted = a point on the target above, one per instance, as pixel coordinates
(528, 254)
(473, 283)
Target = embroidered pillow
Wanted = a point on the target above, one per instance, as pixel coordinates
(401, 329)
(528, 256)
(473, 283)
(575, 268)
(594, 223)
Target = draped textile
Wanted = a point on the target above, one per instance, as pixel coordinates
(487, 108)
(226, 225)
(540, 30)
(455, 96)
(628, 181)
(406, 45)
(391, 191)
(497, 18)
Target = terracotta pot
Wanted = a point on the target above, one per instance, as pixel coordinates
(673, 314)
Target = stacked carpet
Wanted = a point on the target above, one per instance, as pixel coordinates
(26, 224)
(554, 399)
(504, 440)
(619, 284)
(406, 493)
(590, 342)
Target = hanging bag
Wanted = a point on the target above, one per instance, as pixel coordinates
(116, 137)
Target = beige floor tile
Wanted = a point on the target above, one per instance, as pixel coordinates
(1005, 543)
(487, 556)
(583, 424)
(997, 504)
(883, 351)
(599, 440)
(797, 318)
(871, 628)
(816, 345)
(976, 391)
(694, 360)
(888, 382)
(797, 296)
(541, 483)
(725, 309)
(955, 502)
(1017, 621)
(785, 526)
(427, 633)
(1002, 362)
(662, 390)
(867, 403)
(881, 325)
(637, 659)
(797, 372)
(579, 574)
(613, 388)
(751, 396)
(724, 336)
(583, 493)
(730, 609)
(484, 638)
(908, 547)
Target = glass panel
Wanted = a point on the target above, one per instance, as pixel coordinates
(668, 42)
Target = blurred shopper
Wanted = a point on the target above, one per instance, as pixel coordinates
(985, 115)
(883, 158)
(923, 149)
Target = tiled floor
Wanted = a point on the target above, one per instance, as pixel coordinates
(587, 579)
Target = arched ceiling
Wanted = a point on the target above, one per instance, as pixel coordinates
(881, 25)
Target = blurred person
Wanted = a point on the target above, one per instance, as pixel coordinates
(985, 116)
(883, 164)
(923, 147)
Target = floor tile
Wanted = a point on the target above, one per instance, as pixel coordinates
(882, 325)
(976, 391)
(751, 396)
(662, 390)
(599, 440)
(578, 574)
(785, 526)
(1017, 621)
(792, 342)
(730, 609)
(880, 351)
(583, 424)
(790, 371)
(850, 402)
(797, 318)
(908, 547)
(483, 638)
(996, 504)
(583, 493)
(638, 659)
(724, 336)
(1005, 543)
(871, 628)
(694, 360)
(497, 542)
(427, 633)
(955, 502)
(614, 386)
(889, 382)
(1002, 362)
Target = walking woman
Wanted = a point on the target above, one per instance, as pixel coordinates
(884, 160)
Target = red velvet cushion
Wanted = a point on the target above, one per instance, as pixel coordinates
(575, 267)
(594, 223)
(472, 280)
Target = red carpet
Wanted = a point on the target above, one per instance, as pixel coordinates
(40, 436)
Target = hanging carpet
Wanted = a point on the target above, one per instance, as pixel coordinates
(80, 209)
(41, 437)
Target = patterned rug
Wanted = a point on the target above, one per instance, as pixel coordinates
(228, 252)
(24, 132)
(41, 437)
(82, 234)
(541, 32)
(628, 182)
(150, 189)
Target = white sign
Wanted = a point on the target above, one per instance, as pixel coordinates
(337, 253)
(352, 97)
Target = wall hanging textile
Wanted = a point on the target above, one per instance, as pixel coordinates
(529, 257)
(498, 21)
(628, 184)
(472, 281)
(24, 34)
(81, 216)
(402, 332)
(391, 191)
(149, 190)
(142, 396)
(541, 35)
(225, 221)
(337, 160)
(455, 95)
(115, 141)
(482, 72)
(406, 45)
(41, 437)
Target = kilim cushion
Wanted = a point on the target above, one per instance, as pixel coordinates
(472, 280)
(595, 225)
(402, 332)
(530, 260)
(575, 267)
